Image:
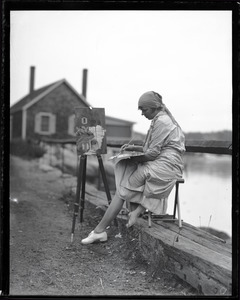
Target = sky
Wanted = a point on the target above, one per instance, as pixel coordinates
(186, 56)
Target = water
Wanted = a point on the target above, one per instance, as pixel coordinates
(206, 195)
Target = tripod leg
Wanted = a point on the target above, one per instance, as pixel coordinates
(104, 178)
(101, 167)
(76, 204)
(82, 199)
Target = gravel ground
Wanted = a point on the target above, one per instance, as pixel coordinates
(43, 261)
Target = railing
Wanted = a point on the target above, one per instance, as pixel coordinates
(209, 146)
(192, 146)
(198, 146)
(195, 146)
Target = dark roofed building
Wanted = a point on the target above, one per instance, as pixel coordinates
(49, 112)
(118, 129)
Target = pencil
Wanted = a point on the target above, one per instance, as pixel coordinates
(127, 144)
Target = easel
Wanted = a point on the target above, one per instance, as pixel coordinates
(81, 182)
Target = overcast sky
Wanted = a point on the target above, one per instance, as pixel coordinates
(185, 56)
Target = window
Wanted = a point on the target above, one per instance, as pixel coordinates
(45, 123)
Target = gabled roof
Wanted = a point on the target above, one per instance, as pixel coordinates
(36, 95)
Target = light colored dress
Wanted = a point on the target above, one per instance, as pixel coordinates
(150, 183)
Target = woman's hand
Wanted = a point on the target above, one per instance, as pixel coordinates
(127, 147)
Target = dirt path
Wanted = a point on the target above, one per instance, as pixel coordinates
(44, 262)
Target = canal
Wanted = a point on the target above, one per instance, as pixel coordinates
(206, 195)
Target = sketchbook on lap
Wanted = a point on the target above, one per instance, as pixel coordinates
(125, 155)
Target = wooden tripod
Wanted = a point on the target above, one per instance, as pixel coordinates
(81, 181)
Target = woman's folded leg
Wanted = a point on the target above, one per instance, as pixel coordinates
(133, 215)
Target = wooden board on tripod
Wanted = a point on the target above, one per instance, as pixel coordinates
(90, 131)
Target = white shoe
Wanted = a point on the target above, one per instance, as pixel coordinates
(94, 237)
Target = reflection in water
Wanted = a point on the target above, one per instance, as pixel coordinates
(206, 195)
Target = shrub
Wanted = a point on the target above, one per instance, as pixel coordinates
(26, 149)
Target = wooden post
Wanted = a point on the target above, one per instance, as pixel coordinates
(179, 213)
(104, 178)
(77, 199)
(82, 199)
(176, 200)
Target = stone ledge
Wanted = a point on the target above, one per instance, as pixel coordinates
(195, 256)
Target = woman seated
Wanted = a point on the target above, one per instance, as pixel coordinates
(145, 181)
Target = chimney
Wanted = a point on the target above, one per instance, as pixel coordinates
(32, 79)
(84, 83)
